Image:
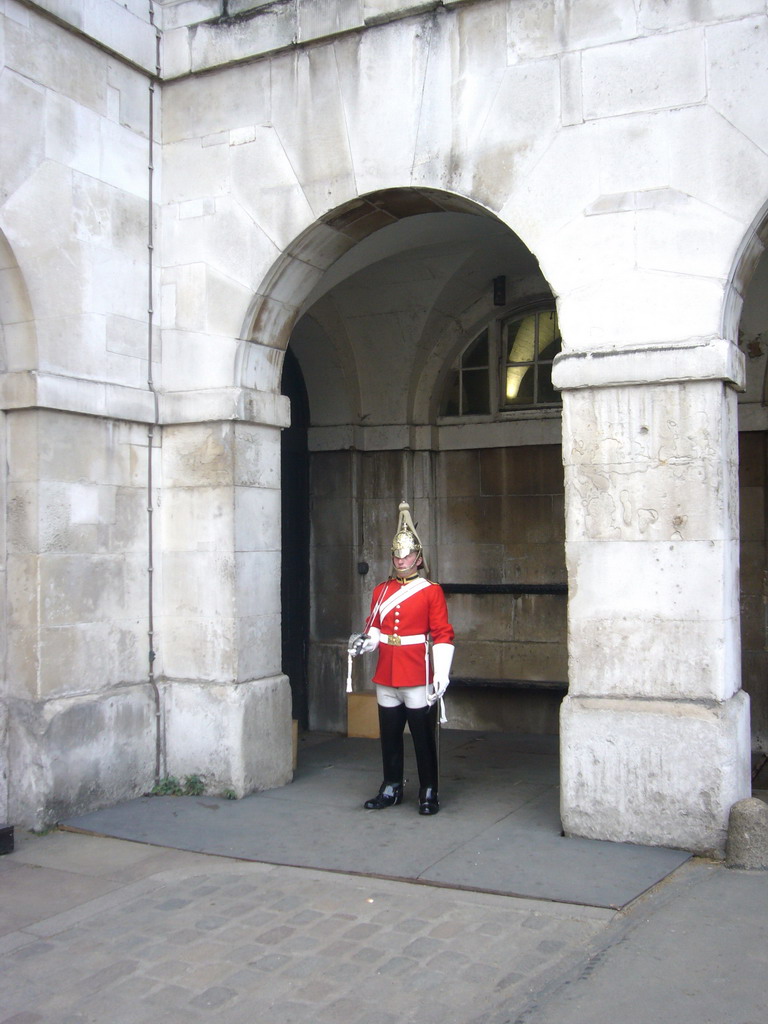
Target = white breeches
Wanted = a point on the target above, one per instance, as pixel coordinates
(411, 696)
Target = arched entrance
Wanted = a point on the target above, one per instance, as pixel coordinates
(750, 305)
(381, 339)
(294, 519)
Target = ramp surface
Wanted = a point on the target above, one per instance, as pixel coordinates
(498, 829)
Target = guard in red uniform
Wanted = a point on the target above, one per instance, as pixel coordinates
(408, 613)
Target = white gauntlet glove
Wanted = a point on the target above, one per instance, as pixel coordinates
(364, 643)
(442, 656)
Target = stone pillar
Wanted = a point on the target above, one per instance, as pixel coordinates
(227, 703)
(80, 715)
(655, 741)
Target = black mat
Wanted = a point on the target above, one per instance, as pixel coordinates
(498, 829)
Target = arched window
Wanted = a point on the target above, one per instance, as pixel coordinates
(468, 392)
(507, 367)
(531, 342)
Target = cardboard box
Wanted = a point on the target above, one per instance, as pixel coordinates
(362, 716)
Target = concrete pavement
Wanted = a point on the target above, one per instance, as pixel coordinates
(103, 930)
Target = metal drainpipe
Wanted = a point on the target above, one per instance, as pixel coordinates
(159, 737)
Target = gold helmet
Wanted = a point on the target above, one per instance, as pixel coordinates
(406, 541)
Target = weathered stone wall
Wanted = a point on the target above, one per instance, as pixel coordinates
(623, 144)
(492, 516)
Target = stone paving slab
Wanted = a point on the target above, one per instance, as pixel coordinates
(195, 938)
(498, 829)
(693, 952)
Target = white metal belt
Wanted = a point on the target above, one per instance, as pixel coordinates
(402, 641)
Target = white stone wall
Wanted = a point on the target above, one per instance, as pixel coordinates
(624, 144)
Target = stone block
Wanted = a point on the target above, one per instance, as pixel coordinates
(729, 166)
(189, 12)
(533, 563)
(316, 142)
(747, 844)
(193, 360)
(109, 741)
(193, 171)
(475, 563)
(482, 616)
(257, 585)
(91, 656)
(197, 643)
(42, 53)
(281, 210)
(257, 454)
(327, 673)
(752, 456)
(583, 26)
(503, 711)
(204, 106)
(477, 659)
(459, 474)
(541, 618)
(381, 147)
(234, 737)
(198, 519)
(258, 642)
(534, 469)
(257, 519)
(473, 520)
(638, 474)
(658, 773)
(383, 482)
(652, 309)
(221, 42)
(659, 16)
(692, 243)
(736, 69)
(22, 138)
(535, 660)
(571, 100)
(533, 31)
(660, 71)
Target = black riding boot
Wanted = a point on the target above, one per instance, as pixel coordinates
(391, 726)
(421, 722)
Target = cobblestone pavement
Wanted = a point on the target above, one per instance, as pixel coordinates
(102, 930)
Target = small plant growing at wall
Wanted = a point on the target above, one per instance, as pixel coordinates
(229, 794)
(167, 786)
(193, 785)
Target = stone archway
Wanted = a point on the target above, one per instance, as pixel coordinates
(746, 314)
(374, 336)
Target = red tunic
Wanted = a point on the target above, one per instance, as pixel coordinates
(423, 612)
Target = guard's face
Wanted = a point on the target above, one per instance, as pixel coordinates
(408, 564)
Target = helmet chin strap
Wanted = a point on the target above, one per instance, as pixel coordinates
(408, 569)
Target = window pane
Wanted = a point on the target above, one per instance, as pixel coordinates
(549, 335)
(520, 385)
(547, 394)
(522, 340)
(477, 353)
(451, 395)
(475, 388)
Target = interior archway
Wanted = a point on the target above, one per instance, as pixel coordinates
(750, 288)
(373, 334)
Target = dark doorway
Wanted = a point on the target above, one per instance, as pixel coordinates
(294, 578)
